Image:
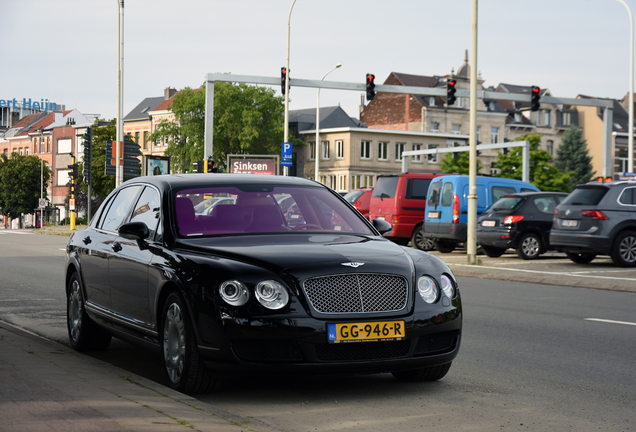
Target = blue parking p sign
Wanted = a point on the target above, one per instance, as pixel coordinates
(287, 150)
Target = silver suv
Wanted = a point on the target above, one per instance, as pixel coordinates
(597, 219)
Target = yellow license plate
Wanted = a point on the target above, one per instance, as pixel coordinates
(366, 331)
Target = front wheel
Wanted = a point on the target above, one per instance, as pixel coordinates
(580, 258)
(444, 246)
(624, 249)
(529, 247)
(424, 374)
(185, 370)
(83, 334)
(493, 252)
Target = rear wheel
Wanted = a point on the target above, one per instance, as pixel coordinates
(420, 241)
(425, 374)
(529, 247)
(444, 246)
(624, 249)
(185, 370)
(493, 252)
(83, 334)
(580, 258)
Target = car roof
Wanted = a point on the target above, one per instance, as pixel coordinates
(184, 181)
(530, 194)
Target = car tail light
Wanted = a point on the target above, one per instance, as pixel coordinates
(396, 220)
(455, 208)
(512, 219)
(594, 214)
(356, 204)
(554, 215)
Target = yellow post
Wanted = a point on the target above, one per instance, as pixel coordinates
(71, 202)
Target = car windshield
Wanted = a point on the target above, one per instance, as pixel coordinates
(506, 204)
(258, 208)
(585, 196)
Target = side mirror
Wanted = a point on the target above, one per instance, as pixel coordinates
(382, 226)
(134, 231)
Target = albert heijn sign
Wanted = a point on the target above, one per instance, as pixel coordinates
(253, 164)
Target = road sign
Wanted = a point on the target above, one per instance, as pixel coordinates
(41, 203)
(286, 162)
(287, 151)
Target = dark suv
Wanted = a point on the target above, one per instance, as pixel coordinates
(597, 219)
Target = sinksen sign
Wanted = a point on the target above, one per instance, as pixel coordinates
(253, 166)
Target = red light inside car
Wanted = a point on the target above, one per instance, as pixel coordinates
(512, 219)
(594, 214)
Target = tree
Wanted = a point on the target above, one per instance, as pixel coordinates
(247, 120)
(20, 183)
(101, 184)
(542, 174)
(459, 164)
(572, 155)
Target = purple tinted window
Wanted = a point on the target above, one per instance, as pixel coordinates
(263, 209)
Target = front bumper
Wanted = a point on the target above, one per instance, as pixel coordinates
(580, 242)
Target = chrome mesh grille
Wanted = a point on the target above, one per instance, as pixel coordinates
(357, 293)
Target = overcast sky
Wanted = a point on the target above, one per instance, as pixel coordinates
(66, 50)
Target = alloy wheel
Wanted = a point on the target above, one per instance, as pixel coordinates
(174, 342)
(75, 310)
(627, 249)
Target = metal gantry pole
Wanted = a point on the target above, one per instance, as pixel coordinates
(471, 246)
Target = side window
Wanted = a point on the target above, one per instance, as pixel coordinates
(434, 194)
(499, 191)
(545, 204)
(447, 194)
(417, 188)
(119, 209)
(627, 197)
(148, 210)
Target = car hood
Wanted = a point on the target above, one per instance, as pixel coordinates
(309, 253)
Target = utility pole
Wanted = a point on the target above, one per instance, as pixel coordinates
(120, 91)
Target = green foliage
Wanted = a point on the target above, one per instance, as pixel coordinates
(101, 184)
(572, 155)
(542, 174)
(247, 120)
(457, 165)
(20, 183)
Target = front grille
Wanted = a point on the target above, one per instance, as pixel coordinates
(357, 293)
(264, 351)
(438, 342)
(362, 351)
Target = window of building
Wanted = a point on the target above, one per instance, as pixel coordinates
(493, 170)
(457, 129)
(550, 147)
(64, 146)
(431, 101)
(325, 150)
(21, 151)
(26, 151)
(383, 151)
(311, 150)
(567, 118)
(546, 117)
(62, 177)
(432, 158)
(355, 181)
(459, 103)
(137, 138)
(342, 183)
(417, 158)
(435, 127)
(6, 152)
(41, 145)
(494, 135)
(146, 140)
(518, 117)
(328, 180)
(477, 134)
(365, 150)
(367, 181)
(48, 144)
(340, 149)
(399, 149)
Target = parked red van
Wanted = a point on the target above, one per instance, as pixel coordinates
(400, 199)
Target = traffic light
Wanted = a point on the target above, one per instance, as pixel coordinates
(370, 87)
(211, 165)
(450, 92)
(73, 173)
(283, 78)
(88, 144)
(534, 99)
(199, 166)
(603, 179)
(132, 166)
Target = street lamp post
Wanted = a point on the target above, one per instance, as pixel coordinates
(630, 123)
(316, 177)
(286, 126)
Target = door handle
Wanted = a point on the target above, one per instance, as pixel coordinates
(117, 247)
(86, 240)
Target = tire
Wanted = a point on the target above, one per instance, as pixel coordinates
(425, 374)
(624, 249)
(444, 246)
(184, 368)
(493, 252)
(83, 333)
(580, 258)
(529, 247)
(420, 241)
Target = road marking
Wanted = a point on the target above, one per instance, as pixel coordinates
(610, 321)
(549, 273)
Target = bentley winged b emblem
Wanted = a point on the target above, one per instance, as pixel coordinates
(353, 264)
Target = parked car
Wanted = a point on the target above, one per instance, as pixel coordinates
(447, 207)
(360, 199)
(597, 219)
(242, 291)
(400, 199)
(520, 221)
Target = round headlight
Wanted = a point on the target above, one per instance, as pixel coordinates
(271, 294)
(427, 288)
(447, 286)
(234, 292)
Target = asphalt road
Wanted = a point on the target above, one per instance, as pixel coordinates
(533, 357)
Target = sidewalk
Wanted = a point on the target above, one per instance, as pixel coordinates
(45, 386)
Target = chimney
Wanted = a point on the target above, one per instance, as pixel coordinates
(168, 93)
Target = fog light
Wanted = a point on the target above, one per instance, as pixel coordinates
(234, 292)
(271, 294)
(427, 287)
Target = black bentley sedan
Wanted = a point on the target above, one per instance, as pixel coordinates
(246, 289)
